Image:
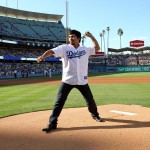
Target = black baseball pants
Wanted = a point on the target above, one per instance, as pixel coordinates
(62, 95)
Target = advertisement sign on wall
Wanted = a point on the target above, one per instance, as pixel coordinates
(134, 69)
(136, 43)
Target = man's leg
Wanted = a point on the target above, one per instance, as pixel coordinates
(62, 95)
(63, 92)
(88, 96)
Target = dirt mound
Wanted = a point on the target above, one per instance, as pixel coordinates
(126, 127)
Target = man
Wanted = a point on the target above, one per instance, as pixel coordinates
(50, 72)
(75, 70)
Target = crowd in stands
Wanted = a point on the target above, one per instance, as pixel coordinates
(144, 60)
(26, 53)
(121, 60)
(25, 68)
(29, 69)
(129, 60)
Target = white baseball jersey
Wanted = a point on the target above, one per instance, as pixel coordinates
(75, 63)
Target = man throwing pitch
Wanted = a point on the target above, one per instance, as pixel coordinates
(75, 74)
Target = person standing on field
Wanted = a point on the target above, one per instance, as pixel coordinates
(74, 74)
(50, 72)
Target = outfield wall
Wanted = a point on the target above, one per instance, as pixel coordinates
(95, 70)
(122, 69)
(134, 69)
(28, 75)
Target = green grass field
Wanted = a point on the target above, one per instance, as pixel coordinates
(19, 99)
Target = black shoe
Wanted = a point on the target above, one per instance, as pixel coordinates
(50, 127)
(98, 119)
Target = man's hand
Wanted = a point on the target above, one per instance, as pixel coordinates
(88, 34)
(48, 53)
(39, 59)
(94, 41)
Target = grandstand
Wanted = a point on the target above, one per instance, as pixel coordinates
(28, 26)
(24, 36)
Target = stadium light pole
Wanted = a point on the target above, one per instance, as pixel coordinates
(17, 4)
(66, 22)
(6, 3)
(6, 7)
(17, 8)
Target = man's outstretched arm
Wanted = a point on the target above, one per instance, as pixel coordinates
(48, 53)
(94, 41)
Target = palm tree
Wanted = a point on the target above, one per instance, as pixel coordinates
(104, 40)
(83, 39)
(101, 35)
(120, 33)
(108, 29)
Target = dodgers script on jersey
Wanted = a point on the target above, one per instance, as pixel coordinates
(71, 54)
(75, 63)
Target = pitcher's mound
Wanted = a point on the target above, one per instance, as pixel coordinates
(126, 127)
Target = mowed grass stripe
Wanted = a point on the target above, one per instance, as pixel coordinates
(13, 90)
(27, 99)
(137, 94)
(26, 92)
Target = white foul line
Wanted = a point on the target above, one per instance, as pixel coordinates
(123, 112)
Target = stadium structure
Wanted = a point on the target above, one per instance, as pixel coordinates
(25, 35)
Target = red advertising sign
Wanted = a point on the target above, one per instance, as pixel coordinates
(100, 53)
(136, 43)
